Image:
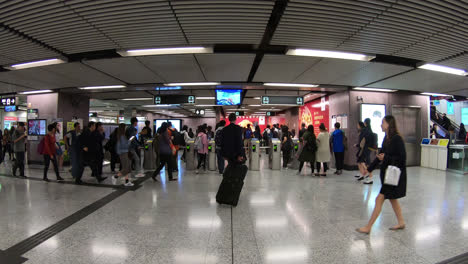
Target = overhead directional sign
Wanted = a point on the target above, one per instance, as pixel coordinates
(239, 113)
(270, 113)
(200, 111)
(282, 100)
(174, 99)
(7, 101)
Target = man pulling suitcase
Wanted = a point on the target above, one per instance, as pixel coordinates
(232, 149)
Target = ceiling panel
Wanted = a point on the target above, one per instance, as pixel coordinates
(129, 70)
(280, 68)
(425, 81)
(226, 67)
(175, 68)
(34, 78)
(370, 73)
(328, 70)
(460, 62)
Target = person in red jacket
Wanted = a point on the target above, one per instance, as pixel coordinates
(49, 153)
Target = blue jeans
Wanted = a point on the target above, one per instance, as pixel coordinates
(220, 161)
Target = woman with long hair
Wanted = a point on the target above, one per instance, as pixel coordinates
(323, 150)
(309, 147)
(363, 153)
(393, 153)
(122, 149)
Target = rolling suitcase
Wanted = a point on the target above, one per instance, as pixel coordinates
(231, 186)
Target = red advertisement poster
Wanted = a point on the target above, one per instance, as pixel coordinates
(314, 113)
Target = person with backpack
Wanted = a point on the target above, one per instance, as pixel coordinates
(122, 146)
(166, 151)
(19, 140)
(201, 144)
(218, 143)
(72, 146)
(323, 150)
(309, 148)
(338, 141)
(286, 147)
(49, 153)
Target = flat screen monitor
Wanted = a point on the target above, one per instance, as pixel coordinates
(176, 123)
(376, 112)
(228, 97)
(37, 127)
(10, 108)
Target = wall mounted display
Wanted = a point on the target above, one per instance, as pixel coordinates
(176, 123)
(376, 112)
(228, 97)
(37, 127)
(10, 108)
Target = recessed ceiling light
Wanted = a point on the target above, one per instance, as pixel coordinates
(136, 99)
(33, 64)
(374, 89)
(37, 92)
(102, 87)
(257, 98)
(445, 69)
(435, 94)
(329, 54)
(166, 51)
(290, 84)
(193, 84)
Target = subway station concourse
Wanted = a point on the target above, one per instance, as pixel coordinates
(325, 102)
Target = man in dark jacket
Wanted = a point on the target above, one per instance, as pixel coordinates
(89, 153)
(98, 137)
(232, 148)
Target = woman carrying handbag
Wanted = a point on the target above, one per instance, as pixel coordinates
(392, 158)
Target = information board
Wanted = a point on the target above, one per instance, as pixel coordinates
(283, 100)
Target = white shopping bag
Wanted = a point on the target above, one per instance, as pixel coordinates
(392, 175)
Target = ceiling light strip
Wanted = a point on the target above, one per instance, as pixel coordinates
(291, 84)
(444, 69)
(435, 94)
(37, 92)
(33, 64)
(102, 87)
(374, 89)
(166, 51)
(193, 84)
(329, 54)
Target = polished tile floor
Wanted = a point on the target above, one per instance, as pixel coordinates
(281, 218)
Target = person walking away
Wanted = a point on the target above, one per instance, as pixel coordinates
(338, 143)
(19, 139)
(209, 133)
(373, 137)
(165, 153)
(111, 146)
(202, 149)
(122, 147)
(462, 132)
(309, 149)
(302, 131)
(323, 150)
(50, 150)
(73, 147)
(232, 147)
(10, 143)
(148, 129)
(247, 137)
(218, 144)
(393, 153)
(286, 146)
(88, 153)
(173, 134)
(132, 132)
(257, 132)
(7, 144)
(363, 152)
(190, 133)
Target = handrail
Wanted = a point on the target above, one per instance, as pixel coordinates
(452, 123)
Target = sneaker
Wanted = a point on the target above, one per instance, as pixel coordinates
(357, 176)
(140, 175)
(361, 178)
(129, 184)
(196, 172)
(368, 181)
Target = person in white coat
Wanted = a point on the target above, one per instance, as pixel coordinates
(323, 150)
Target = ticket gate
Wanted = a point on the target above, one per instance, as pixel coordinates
(254, 151)
(190, 155)
(275, 154)
(294, 162)
(211, 159)
(149, 156)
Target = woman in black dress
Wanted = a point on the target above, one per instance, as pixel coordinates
(393, 153)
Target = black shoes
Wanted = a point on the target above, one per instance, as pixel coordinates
(46, 179)
(79, 182)
(173, 179)
(60, 179)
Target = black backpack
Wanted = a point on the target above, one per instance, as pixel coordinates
(179, 138)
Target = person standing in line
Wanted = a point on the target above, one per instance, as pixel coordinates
(209, 133)
(462, 132)
(393, 153)
(49, 153)
(10, 143)
(4, 143)
(19, 140)
(323, 150)
(202, 149)
(132, 132)
(121, 148)
(337, 141)
(257, 132)
(302, 131)
(165, 153)
(363, 151)
(7, 144)
(309, 148)
(247, 137)
(72, 146)
(148, 129)
(190, 133)
(173, 133)
(286, 146)
(219, 143)
(232, 147)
